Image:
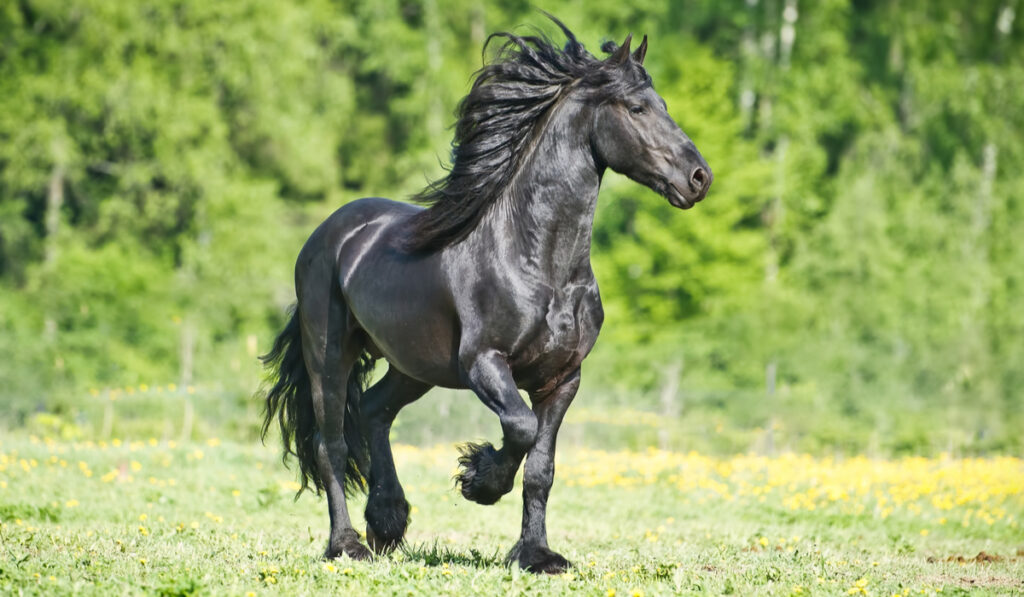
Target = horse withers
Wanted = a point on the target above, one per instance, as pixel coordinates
(489, 287)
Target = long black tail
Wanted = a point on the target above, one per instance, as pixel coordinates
(290, 401)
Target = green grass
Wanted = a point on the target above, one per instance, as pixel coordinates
(164, 519)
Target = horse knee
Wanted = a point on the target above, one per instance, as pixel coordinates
(538, 476)
(520, 429)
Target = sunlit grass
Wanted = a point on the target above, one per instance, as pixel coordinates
(146, 515)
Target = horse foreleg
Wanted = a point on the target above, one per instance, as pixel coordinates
(487, 474)
(531, 551)
(387, 511)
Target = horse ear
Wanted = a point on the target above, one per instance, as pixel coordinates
(622, 54)
(641, 51)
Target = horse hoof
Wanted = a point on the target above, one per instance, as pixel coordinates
(380, 546)
(358, 551)
(481, 478)
(350, 547)
(387, 517)
(541, 560)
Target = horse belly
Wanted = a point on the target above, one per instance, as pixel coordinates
(401, 306)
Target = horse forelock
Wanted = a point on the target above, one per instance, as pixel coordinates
(497, 125)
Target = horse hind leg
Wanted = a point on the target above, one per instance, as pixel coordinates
(332, 350)
(387, 511)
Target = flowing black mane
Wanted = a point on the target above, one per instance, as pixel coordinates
(496, 124)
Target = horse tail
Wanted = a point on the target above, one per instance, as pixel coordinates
(357, 469)
(290, 401)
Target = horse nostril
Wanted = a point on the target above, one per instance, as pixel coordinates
(700, 179)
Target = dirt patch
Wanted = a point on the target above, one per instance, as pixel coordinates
(978, 582)
(982, 558)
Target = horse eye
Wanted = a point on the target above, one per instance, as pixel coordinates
(637, 109)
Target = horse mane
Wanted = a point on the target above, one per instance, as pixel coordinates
(496, 124)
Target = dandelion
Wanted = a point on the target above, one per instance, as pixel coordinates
(72, 503)
(610, 593)
(859, 587)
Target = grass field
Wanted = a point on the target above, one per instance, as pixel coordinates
(155, 517)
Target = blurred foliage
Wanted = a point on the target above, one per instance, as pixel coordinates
(854, 277)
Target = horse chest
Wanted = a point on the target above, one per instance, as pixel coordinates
(563, 334)
(561, 326)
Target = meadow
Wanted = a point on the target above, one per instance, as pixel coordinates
(825, 354)
(155, 516)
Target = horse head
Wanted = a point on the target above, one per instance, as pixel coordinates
(634, 135)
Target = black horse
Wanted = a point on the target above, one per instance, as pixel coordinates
(489, 288)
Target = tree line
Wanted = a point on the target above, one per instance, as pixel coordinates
(854, 273)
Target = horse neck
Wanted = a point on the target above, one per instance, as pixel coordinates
(542, 224)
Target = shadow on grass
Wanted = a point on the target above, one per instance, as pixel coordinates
(438, 555)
